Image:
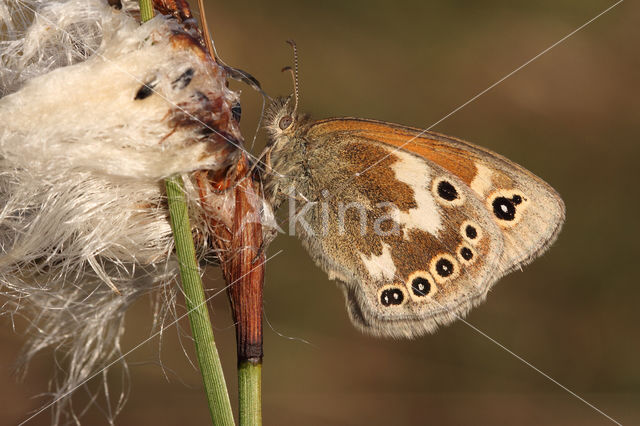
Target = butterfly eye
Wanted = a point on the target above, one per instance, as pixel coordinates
(506, 207)
(421, 286)
(391, 296)
(444, 267)
(446, 192)
(471, 232)
(466, 254)
(285, 122)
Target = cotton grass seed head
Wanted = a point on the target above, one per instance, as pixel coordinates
(95, 111)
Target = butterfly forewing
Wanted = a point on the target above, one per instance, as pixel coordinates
(411, 242)
(529, 213)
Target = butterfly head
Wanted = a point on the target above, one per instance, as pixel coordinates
(284, 153)
(281, 119)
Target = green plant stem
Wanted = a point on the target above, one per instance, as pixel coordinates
(146, 10)
(249, 392)
(207, 353)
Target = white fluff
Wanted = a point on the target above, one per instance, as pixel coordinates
(82, 166)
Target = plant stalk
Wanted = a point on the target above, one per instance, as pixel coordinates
(207, 353)
(250, 393)
(146, 10)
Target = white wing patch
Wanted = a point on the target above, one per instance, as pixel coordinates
(417, 174)
(481, 183)
(380, 267)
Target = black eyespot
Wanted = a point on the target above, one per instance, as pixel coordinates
(466, 253)
(145, 91)
(236, 111)
(285, 122)
(420, 286)
(472, 232)
(505, 208)
(444, 267)
(447, 191)
(184, 79)
(516, 199)
(391, 296)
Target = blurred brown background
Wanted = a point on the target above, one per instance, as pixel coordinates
(571, 117)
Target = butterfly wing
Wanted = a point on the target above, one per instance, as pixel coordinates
(413, 245)
(528, 212)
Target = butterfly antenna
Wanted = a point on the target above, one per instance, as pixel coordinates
(295, 75)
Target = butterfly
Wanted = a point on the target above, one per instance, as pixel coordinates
(415, 226)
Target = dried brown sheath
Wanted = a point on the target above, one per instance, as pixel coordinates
(247, 271)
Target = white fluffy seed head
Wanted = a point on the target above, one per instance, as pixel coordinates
(84, 149)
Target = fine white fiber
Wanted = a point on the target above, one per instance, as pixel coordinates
(95, 111)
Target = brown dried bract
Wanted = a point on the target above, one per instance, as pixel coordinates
(178, 8)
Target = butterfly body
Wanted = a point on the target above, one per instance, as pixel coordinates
(416, 226)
